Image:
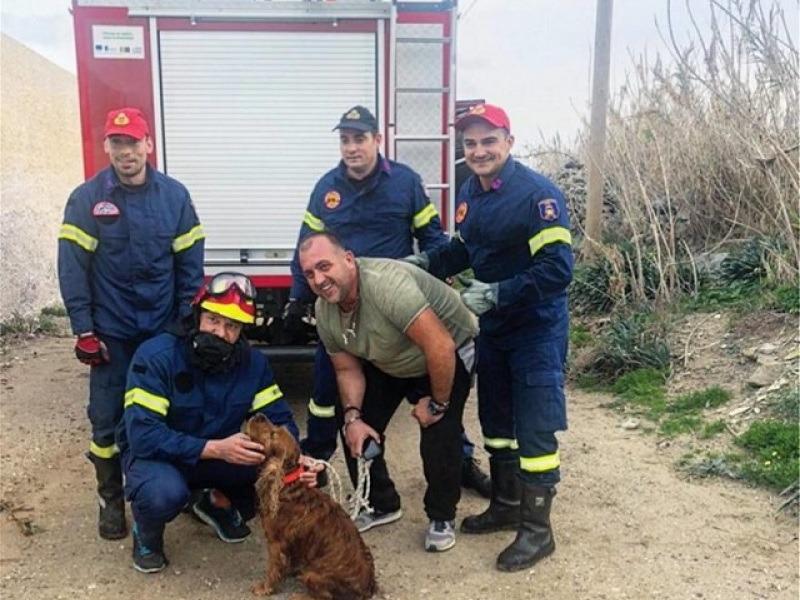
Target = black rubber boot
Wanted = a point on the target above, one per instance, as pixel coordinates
(503, 511)
(111, 521)
(473, 478)
(535, 536)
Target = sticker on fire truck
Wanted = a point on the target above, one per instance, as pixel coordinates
(114, 41)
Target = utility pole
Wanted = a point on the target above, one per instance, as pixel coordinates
(597, 135)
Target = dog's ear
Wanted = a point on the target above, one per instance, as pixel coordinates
(269, 486)
(289, 449)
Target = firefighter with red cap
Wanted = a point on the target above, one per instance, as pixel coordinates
(513, 230)
(130, 258)
(188, 393)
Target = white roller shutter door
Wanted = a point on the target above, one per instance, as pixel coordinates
(247, 120)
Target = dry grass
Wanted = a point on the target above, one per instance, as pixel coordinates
(704, 150)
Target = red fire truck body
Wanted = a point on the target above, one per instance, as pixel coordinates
(242, 96)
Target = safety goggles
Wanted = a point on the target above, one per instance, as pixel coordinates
(220, 283)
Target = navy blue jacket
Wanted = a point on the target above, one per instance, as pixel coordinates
(130, 259)
(173, 408)
(515, 234)
(378, 217)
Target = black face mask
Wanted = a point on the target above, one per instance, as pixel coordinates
(212, 354)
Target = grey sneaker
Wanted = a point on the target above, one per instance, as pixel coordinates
(441, 536)
(367, 520)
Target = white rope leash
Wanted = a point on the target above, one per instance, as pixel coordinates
(358, 501)
(360, 498)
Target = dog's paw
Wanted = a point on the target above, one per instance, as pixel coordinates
(261, 589)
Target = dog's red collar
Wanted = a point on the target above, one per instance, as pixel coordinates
(293, 475)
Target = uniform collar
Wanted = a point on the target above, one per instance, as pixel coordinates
(499, 182)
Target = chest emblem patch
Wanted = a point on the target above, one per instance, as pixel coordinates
(332, 199)
(104, 208)
(461, 212)
(548, 209)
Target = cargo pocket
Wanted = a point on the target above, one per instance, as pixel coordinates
(546, 406)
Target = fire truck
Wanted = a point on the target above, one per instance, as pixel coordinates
(242, 96)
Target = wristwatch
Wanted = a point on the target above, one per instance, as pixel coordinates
(437, 408)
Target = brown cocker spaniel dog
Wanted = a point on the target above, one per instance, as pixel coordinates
(307, 532)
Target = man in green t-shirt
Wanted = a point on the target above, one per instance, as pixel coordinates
(394, 332)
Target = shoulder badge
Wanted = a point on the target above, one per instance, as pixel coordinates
(461, 212)
(105, 208)
(548, 209)
(332, 199)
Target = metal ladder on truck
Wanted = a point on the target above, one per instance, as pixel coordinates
(420, 128)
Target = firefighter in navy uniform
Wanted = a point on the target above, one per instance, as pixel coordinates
(513, 231)
(188, 393)
(376, 207)
(130, 258)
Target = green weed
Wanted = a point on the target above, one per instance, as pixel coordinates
(680, 424)
(54, 310)
(711, 429)
(697, 401)
(591, 382)
(786, 403)
(579, 336)
(787, 298)
(712, 465)
(634, 342)
(774, 453)
(643, 388)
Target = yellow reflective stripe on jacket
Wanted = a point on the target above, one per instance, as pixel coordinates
(103, 451)
(323, 412)
(266, 396)
(539, 464)
(500, 443)
(158, 404)
(424, 216)
(79, 236)
(188, 239)
(549, 236)
(313, 222)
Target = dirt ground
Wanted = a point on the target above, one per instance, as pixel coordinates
(627, 524)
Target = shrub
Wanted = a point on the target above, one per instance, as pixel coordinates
(631, 343)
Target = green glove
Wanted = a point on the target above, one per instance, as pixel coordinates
(420, 260)
(479, 296)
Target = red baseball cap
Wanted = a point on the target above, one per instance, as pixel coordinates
(127, 121)
(493, 115)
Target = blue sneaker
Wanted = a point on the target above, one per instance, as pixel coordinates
(226, 522)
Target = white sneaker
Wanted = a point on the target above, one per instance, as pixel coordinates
(441, 536)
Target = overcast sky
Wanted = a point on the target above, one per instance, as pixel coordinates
(533, 57)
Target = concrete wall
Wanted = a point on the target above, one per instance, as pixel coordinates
(40, 164)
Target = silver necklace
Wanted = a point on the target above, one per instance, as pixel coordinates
(349, 332)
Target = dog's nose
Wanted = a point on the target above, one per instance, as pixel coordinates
(260, 418)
